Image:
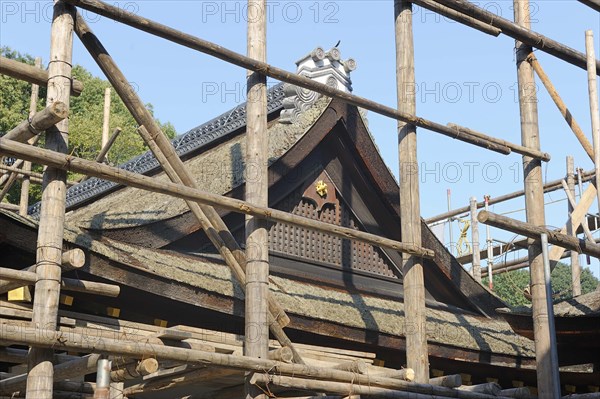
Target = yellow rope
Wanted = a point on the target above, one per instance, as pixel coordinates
(463, 246)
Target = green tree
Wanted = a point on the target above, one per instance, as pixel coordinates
(510, 286)
(85, 118)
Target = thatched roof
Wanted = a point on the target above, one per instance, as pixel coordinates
(217, 171)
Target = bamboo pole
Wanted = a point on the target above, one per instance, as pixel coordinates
(214, 50)
(594, 110)
(410, 213)
(534, 199)
(74, 341)
(548, 187)
(458, 17)
(256, 337)
(39, 122)
(476, 263)
(32, 74)
(532, 231)
(50, 231)
(35, 92)
(521, 33)
(106, 118)
(121, 176)
(562, 107)
(572, 229)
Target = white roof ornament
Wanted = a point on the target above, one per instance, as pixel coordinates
(322, 66)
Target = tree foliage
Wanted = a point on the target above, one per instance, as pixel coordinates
(85, 117)
(510, 286)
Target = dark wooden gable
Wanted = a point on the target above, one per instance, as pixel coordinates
(320, 199)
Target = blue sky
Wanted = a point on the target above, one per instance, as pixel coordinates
(463, 76)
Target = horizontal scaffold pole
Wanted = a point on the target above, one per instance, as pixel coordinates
(232, 57)
(38, 123)
(532, 231)
(595, 4)
(520, 33)
(73, 341)
(31, 74)
(74, 164)
(548, 187)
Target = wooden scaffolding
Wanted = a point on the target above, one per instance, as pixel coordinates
(266, 365)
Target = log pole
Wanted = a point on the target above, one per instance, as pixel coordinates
(532, 231)
(594, 4)
(562, 107)
(534, 199)
(548, 187)
(217, 51)
(33, 101)
(256, 338)
(38, 123)
(572, 229)
(458, 17)
(79, 165)
(410, 211)
(594, 110)
(74, 341)
(520, 33)
(32, 74)
(476, 262)
(50, 232)
(106, 118)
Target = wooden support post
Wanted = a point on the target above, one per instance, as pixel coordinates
(106, 118)
(32, 74)
(476, 263)
(534, 202)
(572, 229)
(562, 107)
(594, 111)
(102, 390)
(489, 246)
(573, 204)
(70, 369)
(217, 51)
(50, 232)
(410, 211)
(256, 337)
(33, 101)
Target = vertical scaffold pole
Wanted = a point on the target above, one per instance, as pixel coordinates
(256, 343)
(410, 213)
(534, 203)
(52, 214)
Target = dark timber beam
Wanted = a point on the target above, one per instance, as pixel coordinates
(595, 4)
